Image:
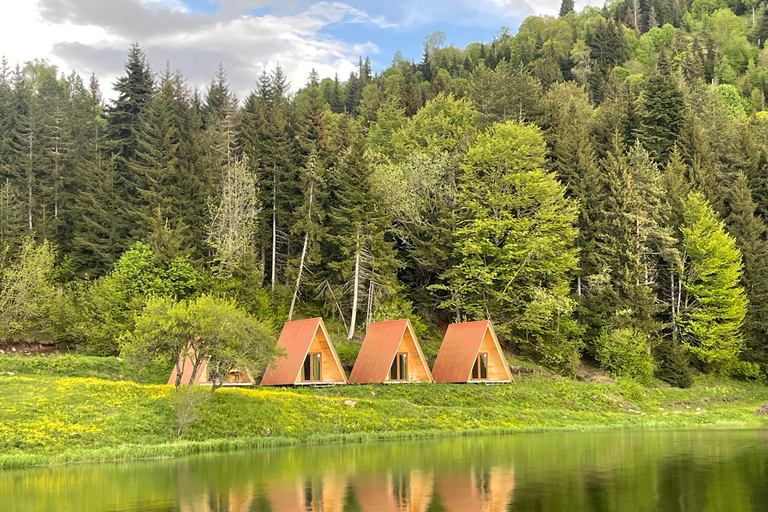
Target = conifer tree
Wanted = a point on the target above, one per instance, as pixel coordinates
(662, 113)
(123, 123)
(749, 230)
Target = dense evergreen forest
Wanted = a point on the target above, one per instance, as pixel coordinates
(596, 185)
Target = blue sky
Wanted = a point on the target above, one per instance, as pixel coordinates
(246, 36)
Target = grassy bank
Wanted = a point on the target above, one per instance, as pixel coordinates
(47, 419)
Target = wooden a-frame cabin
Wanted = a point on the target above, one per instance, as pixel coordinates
(309, 357)
(202, 378)
(390, 353)
(470, 352)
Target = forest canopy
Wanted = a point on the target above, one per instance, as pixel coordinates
(595, 184)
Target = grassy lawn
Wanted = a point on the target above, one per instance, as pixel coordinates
(58, 418)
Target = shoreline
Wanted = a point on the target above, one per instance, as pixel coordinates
(180, 449)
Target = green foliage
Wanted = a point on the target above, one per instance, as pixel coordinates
(673, 364)
(515, 243)
(72, 365)
(26, 289)
(714, 305)
(209, 329)
(624, 353)
(65, 419)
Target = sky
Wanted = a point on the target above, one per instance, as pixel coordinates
(246, 36)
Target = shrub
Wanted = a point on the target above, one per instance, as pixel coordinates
(624, 353)
(673, 365)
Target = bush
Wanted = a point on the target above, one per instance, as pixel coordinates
(624, 353)
(673, 364)
(347, 351)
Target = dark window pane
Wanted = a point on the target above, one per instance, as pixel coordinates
(403, 366)
(483, 366)
(474, 370)
(315, 366)
(393, 370)
(307, 369)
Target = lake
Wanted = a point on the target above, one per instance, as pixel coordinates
(702, 470)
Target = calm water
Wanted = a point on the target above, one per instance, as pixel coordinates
(723, 470)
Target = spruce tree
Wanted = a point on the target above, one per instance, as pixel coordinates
(123, 124)
(749, 230)
(566, 6)
(362, 257)
(662, 113)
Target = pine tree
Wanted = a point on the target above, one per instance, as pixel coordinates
(749, 230)
(713, 303)
(123, 123)
(662, 112)
(362, 256)
(566, 6)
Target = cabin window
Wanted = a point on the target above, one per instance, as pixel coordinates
(399, 369)
(312, 367)
(480, 369)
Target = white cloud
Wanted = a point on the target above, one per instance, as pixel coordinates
(73, 35)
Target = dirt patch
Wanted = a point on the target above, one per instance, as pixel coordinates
(523, 370)
(705, 400)
(589, 371)
(26, 349)
(762, 411)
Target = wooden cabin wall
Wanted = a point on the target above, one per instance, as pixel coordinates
(416, 367)
(330, 371)
(496, 365)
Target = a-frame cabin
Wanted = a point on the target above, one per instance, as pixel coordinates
(470, 352)
(202, 378)
(390, 353)
(309, 357)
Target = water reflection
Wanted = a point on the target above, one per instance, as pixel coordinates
(664, 471)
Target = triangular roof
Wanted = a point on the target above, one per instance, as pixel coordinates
(295, 339)
(379, 350)
(186, 365)
(459, 350)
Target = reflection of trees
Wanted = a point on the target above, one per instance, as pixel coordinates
(639, 471)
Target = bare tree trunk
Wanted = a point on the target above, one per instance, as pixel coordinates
(274, 226)
(355, 289)
(371, 288)
(672, 301)
(29, 182)
(303, 251)
(263, 270)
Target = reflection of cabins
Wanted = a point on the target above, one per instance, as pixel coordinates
(390, 353)
(470, 352)
(203, 377)
(400, 492)
(312, 495)
(309, 357)
(484, 490)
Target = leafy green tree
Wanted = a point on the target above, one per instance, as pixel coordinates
(713, 303)
(515, 245)
(26, 289)
(208, 329)
(624, 353)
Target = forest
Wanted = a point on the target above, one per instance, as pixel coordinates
(596, 184)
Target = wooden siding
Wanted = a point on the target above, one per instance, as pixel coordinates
(295, 340)
(458, 352)
(498, 370)
(383, 341)
(418, 370)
